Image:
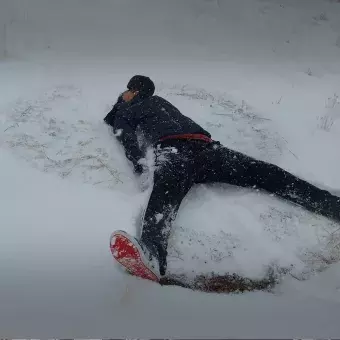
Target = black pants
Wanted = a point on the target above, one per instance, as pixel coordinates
(180, 164)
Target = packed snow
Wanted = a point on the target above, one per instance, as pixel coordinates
(262, 76)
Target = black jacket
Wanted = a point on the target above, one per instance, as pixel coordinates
(143, 122)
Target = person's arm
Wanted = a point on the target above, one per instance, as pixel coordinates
(110, 117)
(125, 125)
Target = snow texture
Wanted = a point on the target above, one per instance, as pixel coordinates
(262, 76)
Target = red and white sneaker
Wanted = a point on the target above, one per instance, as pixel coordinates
(127, 251)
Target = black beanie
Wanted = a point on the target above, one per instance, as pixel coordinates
(143, 84)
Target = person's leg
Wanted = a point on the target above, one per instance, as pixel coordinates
(172, 181)
(232, 167)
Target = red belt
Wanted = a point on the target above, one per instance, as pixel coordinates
(195, 136)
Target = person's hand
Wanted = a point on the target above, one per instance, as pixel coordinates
(138, 168)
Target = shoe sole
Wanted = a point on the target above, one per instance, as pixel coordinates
(129, 254)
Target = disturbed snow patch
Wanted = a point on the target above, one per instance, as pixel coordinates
(220, 228)
(227, 229)
(52, 135)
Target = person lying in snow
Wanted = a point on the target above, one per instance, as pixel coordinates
(185, 154)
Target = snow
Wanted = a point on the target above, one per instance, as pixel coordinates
(262, 76)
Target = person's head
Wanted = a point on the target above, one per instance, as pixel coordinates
(139, 86)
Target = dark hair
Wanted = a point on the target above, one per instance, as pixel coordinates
(143, 84)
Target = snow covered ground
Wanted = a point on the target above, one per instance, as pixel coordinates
(263, 77)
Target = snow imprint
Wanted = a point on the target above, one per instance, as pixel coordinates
(52, 135)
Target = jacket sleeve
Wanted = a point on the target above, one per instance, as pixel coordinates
(110, 117)
(125, 126)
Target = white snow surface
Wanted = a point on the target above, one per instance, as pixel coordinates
(262, 76)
